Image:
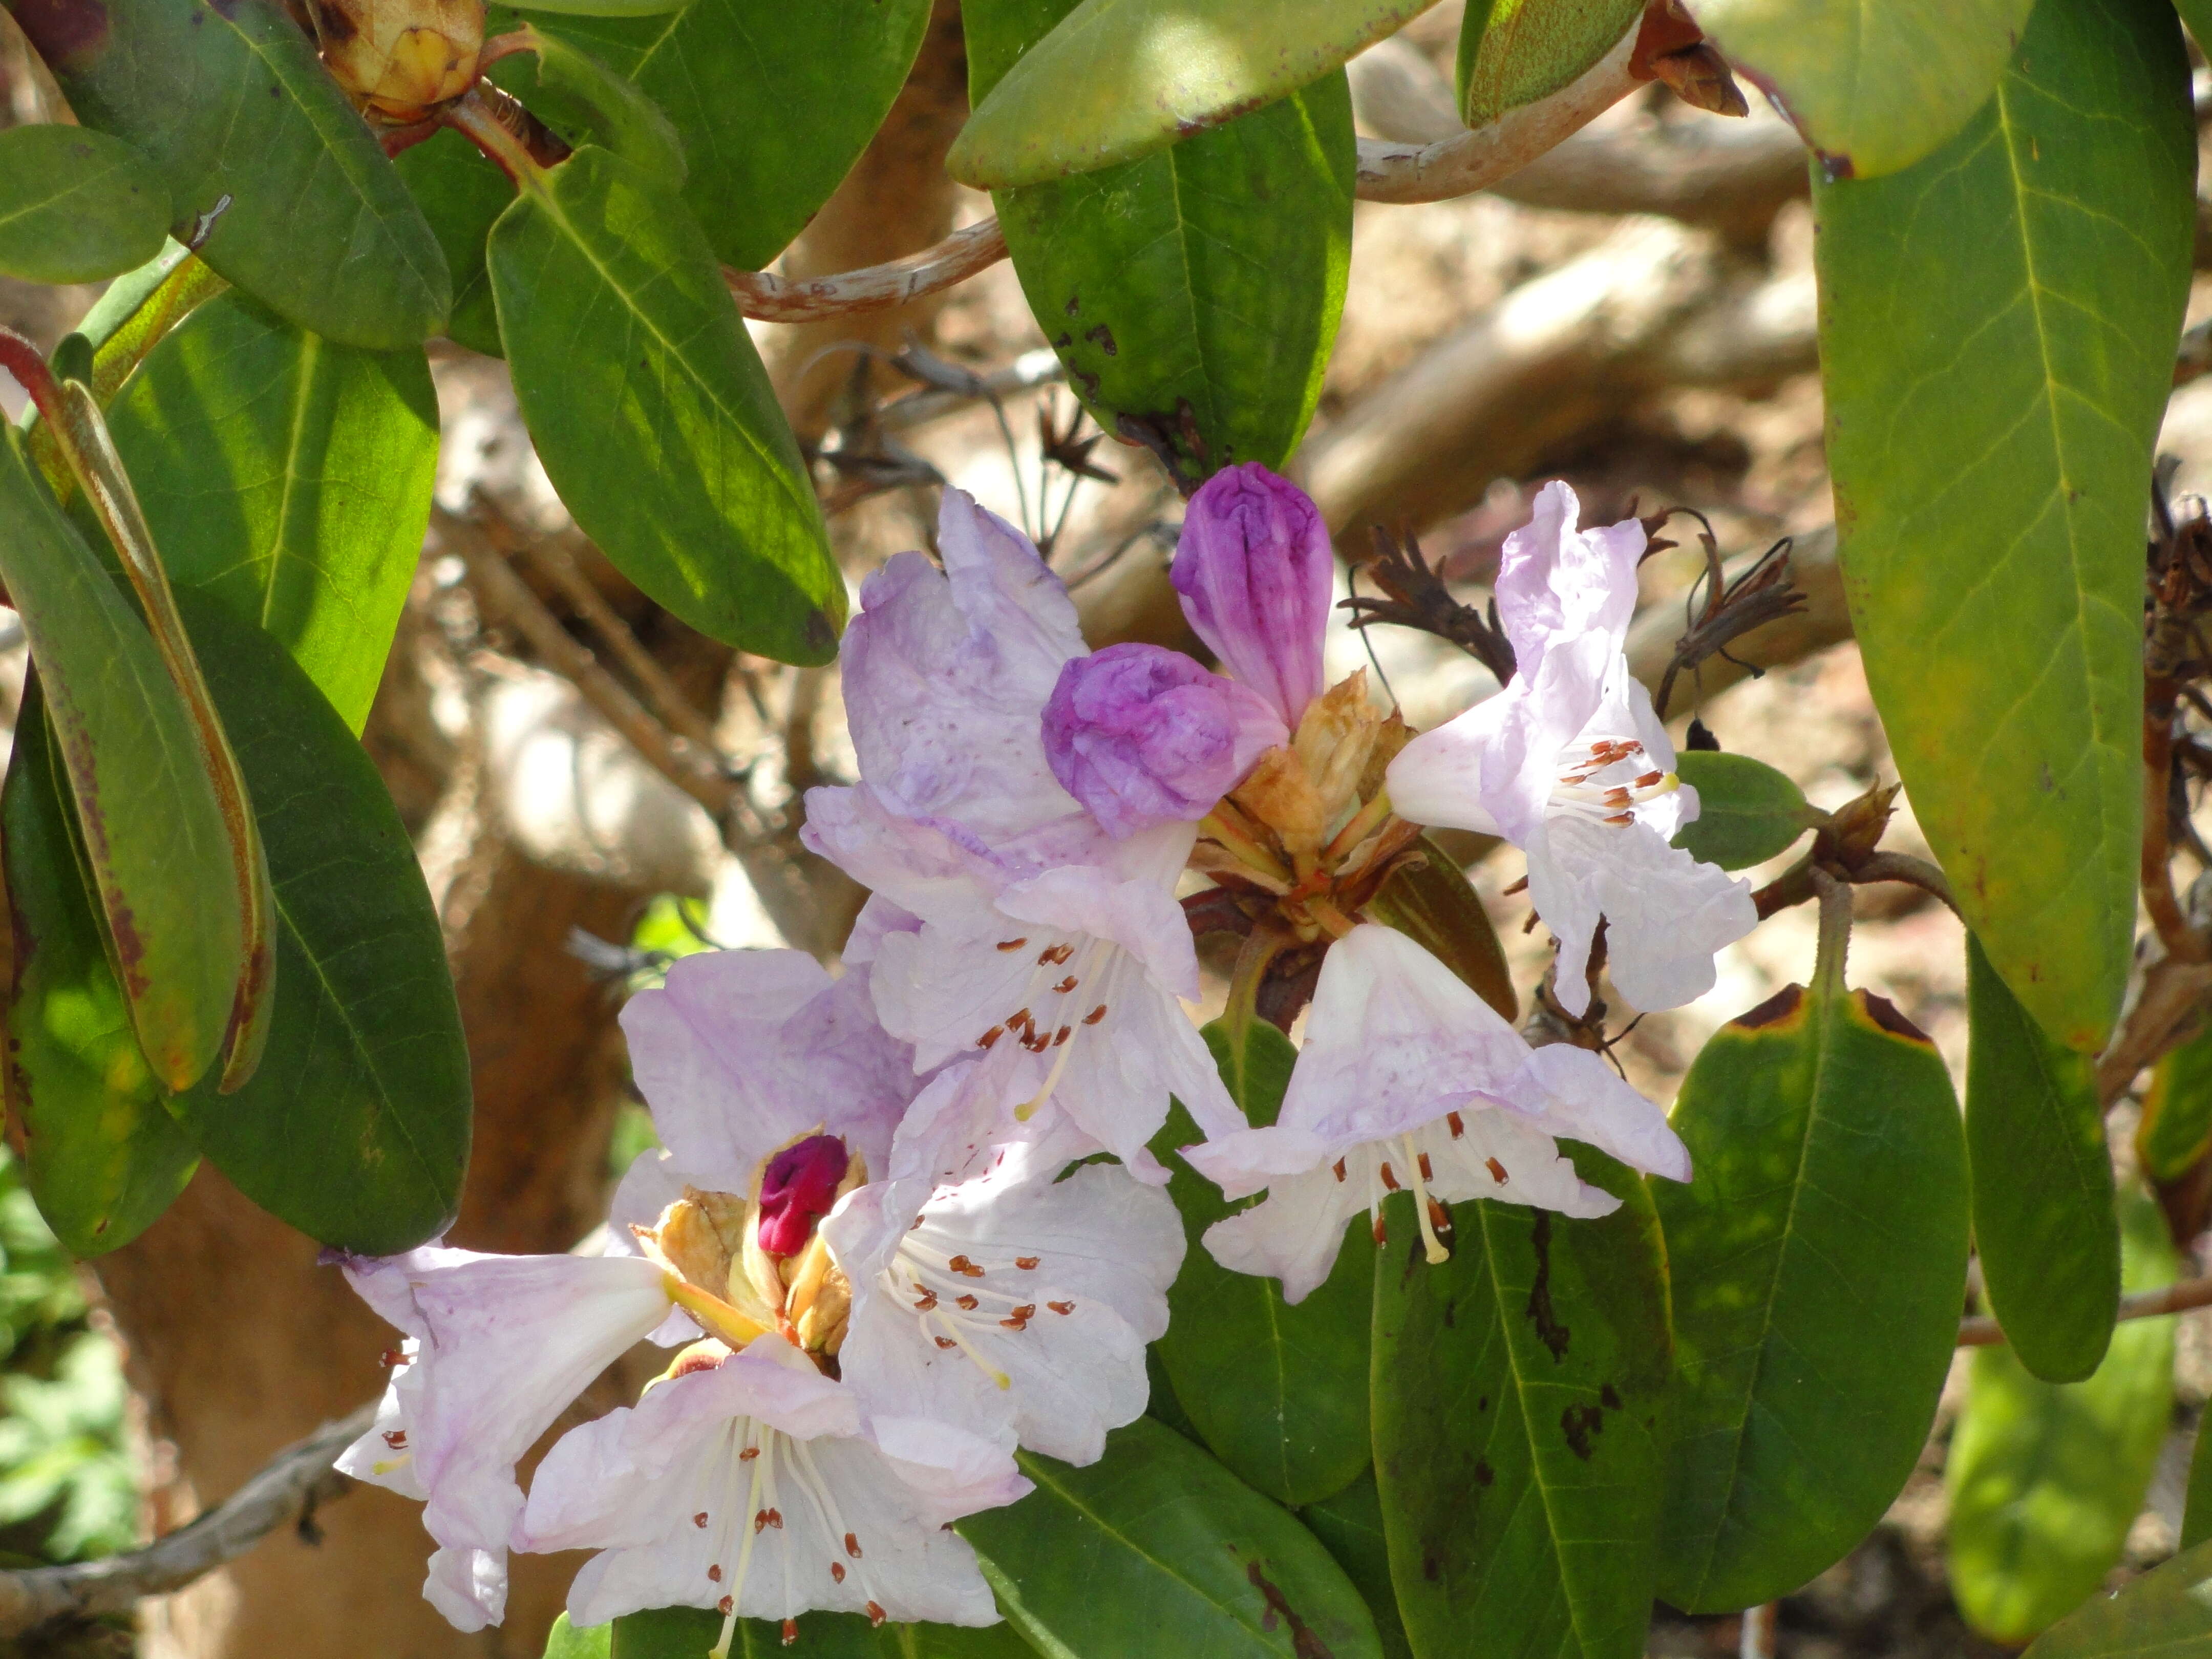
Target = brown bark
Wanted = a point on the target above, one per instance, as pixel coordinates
(239, 1343)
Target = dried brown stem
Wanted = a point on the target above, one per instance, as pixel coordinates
(2183, 943)
(772, 298)
(287, 1489)
(1982, 1332)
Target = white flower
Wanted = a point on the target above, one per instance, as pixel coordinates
(1569, 764)
(1409, 1081)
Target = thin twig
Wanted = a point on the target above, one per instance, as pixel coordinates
(289, 1485)
(1984, 1332)
(508, 597)
(772, 298)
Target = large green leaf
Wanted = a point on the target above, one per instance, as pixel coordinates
(104, 1159)
(652, 413)
(154, 834)
(564, 1641)
(1279, 1393)
(1350, 1527)
(2045, 1478)
(2044, 1225)
(259, 147)
(774, 102)
(76, 205)
(1156, 1549)
(2176, 1129)
(291, 478)
(1996, 335)
(1747, 811)
(572, 91)
(1513, 52)
(1519, 1399)
(1116, 80)
(1192, 294)
(688, 1633)
(1875, 84)
(2165, 1614)
(1432, 901)
(462, 195)
(1819, 1262)
(356, 1128)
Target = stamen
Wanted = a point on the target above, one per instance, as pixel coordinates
(1427, 1174)
(700, 1519)
(790, 1631)
(1013, 943)
(729, 1603)
(837, 1571)
(876, 1615)
(1455, 1123)
(966, 1302)
(946, 1342)
(1019, 1320)
(964, 1267)
(748, 1454)
(968, 1348)
(1645, 781)
(1497, 1170)
(1066, 985)
(395, 1438)
(393, 1358)
(1338, 1167)
(990, 1037)
(714, 1572)
(1095, 1015)
(1026, 1263)
(1063, 1308)
(1053, 955)
(1432, 1246)
(928, 1301)
(852, 1547)
(1389, 1179)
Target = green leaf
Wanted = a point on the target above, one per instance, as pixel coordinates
(688, 1633)
(1997, 355)
(1747, 811)
(2045, 1223)
(356, 1128)
(1193, 294)
(291, 478)
(2197, 1515)
(652, 413)
(587, 102)
(2166, 1613)
(2176, 1129)
(2197, 16)
(461, 195)
(104, 1159)
(1156, 1549)
(1818, 1262)
(1117, 80)
(1434, 903)
(76, 205)
(1513, 52)
(2047, 1478)
(256, 144)
(1350, 1527)
(1520, 1398)
(774, 102)
(156, 840)
(1874, 85)
(563, 1641)
(1278, 1393)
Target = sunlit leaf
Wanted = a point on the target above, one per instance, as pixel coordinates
(76, 205)
(1513, 52)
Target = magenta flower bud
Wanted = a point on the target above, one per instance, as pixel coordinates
(1142, 736)
(798, 1188)
(1254, 568)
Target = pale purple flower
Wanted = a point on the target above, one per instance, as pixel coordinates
(1254, 569)
(1142, 735)
(1039, 929)
(1017, 1300)
(1409, 1080)
(753, 1483)
(1570, 763)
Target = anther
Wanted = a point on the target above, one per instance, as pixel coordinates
(393, 1358)
(1013, 944)
(945, 1342)
(725, 1607)
(1497, 1170)
(1066, 985)
(766, 1518)
(1052, 956)
(852, 1547)
(1062, 1034)
(1389, 1179)
(700, 1519)
(1381, 1234)
(1646, 780)
(1063, 1308)
(1622, 819)
(1026, 1263)
(395, 1438)
(1456, 1123)
(748, 1454)
(990, 1037)
(876, 1615)
(837, 1571)
(1019, 1320)
(1095, 1015)
(1427, 1174)
(1439, 1216)
(928, 1301)
(714, 1573)
(964, 1267)
(966, 1302)
(1338, 1167)
(790, 1631)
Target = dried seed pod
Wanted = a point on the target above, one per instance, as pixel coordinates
(400, 59)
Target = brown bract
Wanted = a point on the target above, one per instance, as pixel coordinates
(401, 60)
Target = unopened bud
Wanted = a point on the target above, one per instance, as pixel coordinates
(798, 1186)
(401, 59)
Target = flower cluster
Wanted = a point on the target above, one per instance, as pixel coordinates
(910, 1218)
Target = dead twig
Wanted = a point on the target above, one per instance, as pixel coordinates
(772, 298)
(1733, 607)
(1416, 597)
(286, 1489)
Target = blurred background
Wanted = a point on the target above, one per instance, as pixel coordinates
(592, 786)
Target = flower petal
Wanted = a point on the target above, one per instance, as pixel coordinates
(1254, 568)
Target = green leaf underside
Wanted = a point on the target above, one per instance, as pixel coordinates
(76, 205)
(1819, 1262)
(774, 102)
(290, 478)
(2044, 1225)
(1747, 811)
(2161, 1615)
(1513, 52)
(461, 195)
(1875, 84)
(1118, 79)
(1519, 1402)
(104, 1159)
(688, 1633)
(2176, 1129)
(229, 101)
(355, 1128)
(153, 833)
(1991, 493)
(1350, 1527)
(652, 414)
(1434, 903)
(1156, 1549)
(2045, 1478)
(1193, 294)
(1278, 1394)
